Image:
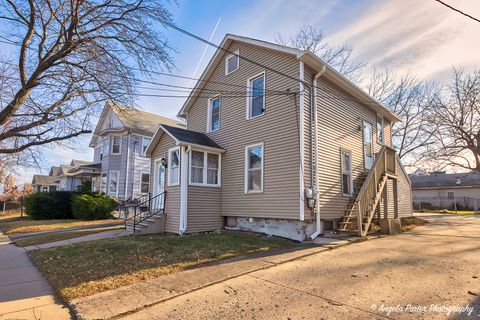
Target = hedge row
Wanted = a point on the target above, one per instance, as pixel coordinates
(68, 205)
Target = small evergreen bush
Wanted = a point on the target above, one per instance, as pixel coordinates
(93, 207)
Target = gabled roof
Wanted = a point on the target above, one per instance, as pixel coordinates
(54, 171)
(183, 136)
(77, 163)
(133, 119)
(307, 57)
(445, 180)
(44, 180)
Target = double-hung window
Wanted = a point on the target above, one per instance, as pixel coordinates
(347, 180)
(256, 96)
(174, 167)
(113, 183)
(204, 168)
(145, 143)
(380, 130)
(197, 167)
(116, 141)
(232, 62)
(214, 114)
(144, 182)
(105, 147)
(103, 183)
(254, 168)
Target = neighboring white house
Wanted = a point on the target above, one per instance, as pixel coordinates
(120, 139)
(440, 190)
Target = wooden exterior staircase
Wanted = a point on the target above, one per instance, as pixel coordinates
(361, 210)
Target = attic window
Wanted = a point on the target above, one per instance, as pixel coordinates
(232, 62)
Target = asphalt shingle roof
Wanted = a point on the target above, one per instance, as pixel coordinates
(44, 180)
(444, 180)
(188, 136)
(140, 120)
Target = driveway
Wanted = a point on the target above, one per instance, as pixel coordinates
(422, 274)
(24, 293)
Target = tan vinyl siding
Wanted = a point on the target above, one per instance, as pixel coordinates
(405, 199)
(405, 205)
(277, 129)
(204, 209)
(172, 207)
(340, 124)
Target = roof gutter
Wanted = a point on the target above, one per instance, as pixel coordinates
(315, 173)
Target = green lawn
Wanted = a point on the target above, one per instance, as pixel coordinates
(12, 223)
(61, 235)
(84, 269)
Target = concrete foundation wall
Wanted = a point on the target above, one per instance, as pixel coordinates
(291, 229)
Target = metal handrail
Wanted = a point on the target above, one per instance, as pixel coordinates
(143, 210)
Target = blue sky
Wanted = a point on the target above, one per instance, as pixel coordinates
(421, 37)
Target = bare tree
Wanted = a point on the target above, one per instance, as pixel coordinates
(312, 39)
(69, 56)
(414, 101)
(457, 142)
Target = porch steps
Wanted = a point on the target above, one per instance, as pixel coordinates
(153, 224)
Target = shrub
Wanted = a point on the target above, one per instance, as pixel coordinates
(49, 205)
(92, 207)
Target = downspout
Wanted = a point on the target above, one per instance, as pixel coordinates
(128, 162)
(315, 174)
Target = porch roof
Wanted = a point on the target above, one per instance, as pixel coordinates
(184, 136)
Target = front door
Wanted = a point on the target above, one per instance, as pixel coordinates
(159, 185)
(368, 144)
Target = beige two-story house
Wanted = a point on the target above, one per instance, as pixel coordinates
(277, 142)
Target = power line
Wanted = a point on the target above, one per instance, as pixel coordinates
(457, 10)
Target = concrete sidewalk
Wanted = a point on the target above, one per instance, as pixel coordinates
(124, 300)
(19, 236)
(24, 293)
(91, 237)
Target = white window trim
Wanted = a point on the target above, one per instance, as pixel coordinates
(382, 130)
(109, 180)
(249, 94)
(209, 114)
(119, 146)
(342, 151)
(237, 54)
(246, 168)
(141, 172)
(169, 182)
(205, 169)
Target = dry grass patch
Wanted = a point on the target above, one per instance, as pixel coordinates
(408, 223)
(87, 268)
(61, 235)
(14, 224)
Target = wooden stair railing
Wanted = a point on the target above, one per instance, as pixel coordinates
(363, 207)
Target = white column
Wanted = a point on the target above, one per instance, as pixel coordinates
(183, 188)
